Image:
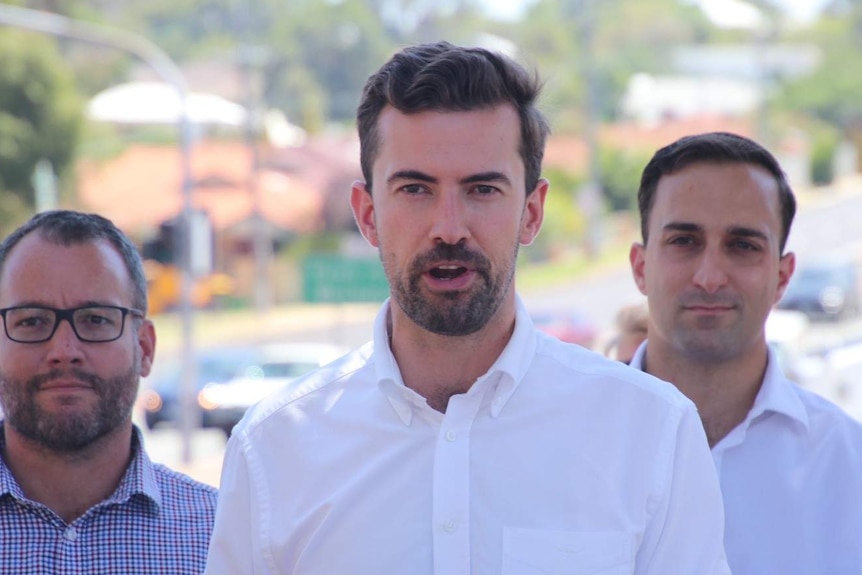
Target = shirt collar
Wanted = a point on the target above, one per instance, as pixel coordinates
(139, 478)
(511, 365)
(776, 394)
(8, 485)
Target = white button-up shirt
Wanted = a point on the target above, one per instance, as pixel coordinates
(791, 477)
(555, 461)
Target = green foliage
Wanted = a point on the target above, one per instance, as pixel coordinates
(332, 47)
(833, 92)
(824, 144)
(563, 225)
(40, 113)
(620, 175)
(322, 242)
(571, 41)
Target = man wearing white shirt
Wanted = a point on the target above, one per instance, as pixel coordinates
(716, 211)
(461, 440)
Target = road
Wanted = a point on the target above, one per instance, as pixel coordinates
(828, 226)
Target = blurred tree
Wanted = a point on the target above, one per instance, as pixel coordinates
(627, 37)
(833, 92)
(620, 175)
(564, 223)
(40, 118)
(323, 48)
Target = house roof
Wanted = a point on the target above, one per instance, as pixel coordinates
(143, 186)
(569, 152)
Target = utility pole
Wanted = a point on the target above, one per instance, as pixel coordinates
(161, 63)
(251, 58)
(589, 196)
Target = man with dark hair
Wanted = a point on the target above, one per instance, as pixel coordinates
(78, 493)
(716, 211)
(461, 440)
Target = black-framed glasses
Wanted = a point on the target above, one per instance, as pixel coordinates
(91, 323)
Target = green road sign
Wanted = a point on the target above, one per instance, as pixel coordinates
(337, 279)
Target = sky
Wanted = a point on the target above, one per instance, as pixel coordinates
(798, 9)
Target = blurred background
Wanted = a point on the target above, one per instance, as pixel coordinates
(219, 135)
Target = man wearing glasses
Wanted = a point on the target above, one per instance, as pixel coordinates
(78, 493)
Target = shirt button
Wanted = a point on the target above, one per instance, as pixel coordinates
(451, 435)
(450, 527)
(70, 534)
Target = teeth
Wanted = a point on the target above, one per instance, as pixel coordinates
(448, 267)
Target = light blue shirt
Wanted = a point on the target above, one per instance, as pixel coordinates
(157, 522)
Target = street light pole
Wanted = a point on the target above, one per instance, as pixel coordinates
(252, 58)
(155, 57)
(589, 196)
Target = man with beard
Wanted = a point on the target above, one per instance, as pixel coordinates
(78, 493)
(716, 210)
(461, 440)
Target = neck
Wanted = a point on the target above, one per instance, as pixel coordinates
(437, 366)
(723, 392)
(69, 483)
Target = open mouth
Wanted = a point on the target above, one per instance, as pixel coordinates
(447, 272)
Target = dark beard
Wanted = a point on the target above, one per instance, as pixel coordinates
(68, 433)
(453, 313)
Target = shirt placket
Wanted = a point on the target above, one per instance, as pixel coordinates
(69, 546)
(451, 490)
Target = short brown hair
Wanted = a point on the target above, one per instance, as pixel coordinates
(441, 76)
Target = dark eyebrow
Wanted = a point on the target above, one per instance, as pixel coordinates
(682, 227)
(738, 231)
(485, 177)
(411, 175)
(423, 177)
(747, 232)
(87, 303)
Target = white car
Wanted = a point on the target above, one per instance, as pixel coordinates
(276, 366)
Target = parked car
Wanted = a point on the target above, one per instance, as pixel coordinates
(571, 326)
(224, 403)
(160, 392)
(828, 289)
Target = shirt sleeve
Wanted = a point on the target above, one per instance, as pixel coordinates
(235, 544)
(686, 534)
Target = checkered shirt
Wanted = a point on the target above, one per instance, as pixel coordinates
(157, 522)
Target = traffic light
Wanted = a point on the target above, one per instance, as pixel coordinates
(164, 247)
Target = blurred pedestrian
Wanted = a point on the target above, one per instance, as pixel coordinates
(462, 440)
(716, 210)
(78, 493)
(630, 326)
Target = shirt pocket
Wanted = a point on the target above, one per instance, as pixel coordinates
(541, 552)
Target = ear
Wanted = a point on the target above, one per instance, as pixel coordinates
(786, 267)
(363, 212)
(637, 257)
(147, 343)
(534, 213)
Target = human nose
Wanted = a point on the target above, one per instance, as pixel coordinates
(64, 346)
(710, 274)
(449, 219)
